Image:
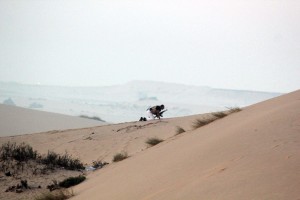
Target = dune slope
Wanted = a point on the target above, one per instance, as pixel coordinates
(16, 120)
(252, 154)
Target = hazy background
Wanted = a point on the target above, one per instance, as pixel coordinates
(252, 45)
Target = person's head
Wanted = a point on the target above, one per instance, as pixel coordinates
(162, 106)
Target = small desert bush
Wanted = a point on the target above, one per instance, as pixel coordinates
(179, 130)
(215, 115)
(14, 158)
(219, 114)
(50, 158)
(234, 109)
(66, 161)
(120, 156)
(71, 181)
(153, 141)
(19, 152)
(202, 122)
(56, 195)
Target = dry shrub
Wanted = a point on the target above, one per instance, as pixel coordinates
(66, 161)
(219, 114)
(215, 115)
(120, 156)
(71, 181)
(153, 141)
(179, 130)
(202, 122)
(56, 195)
(234, 109)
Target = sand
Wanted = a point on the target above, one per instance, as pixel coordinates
(16, 120)
(251, 154)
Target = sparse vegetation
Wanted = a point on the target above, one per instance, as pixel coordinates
(71, 181)
(15, 158)
(21, 162)
(94, 118)
(202, 122)
(120, 156)
(234, 109)
(219, 114)
(19, 188)
(20, 153)
(53, 186)
(98, 164)
(56, 195)
(215, 115)
(66, 161)
(153, 141)
(179, 130)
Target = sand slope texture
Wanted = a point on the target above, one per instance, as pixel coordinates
(253, 154)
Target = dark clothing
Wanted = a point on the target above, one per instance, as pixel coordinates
(155, 110)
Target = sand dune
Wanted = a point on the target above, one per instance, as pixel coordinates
(16, 120)
(252, 154)
(103, 142)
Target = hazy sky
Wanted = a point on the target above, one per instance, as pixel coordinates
(237, 44)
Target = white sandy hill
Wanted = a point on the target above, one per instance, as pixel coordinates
(252, 154)
(15, 120)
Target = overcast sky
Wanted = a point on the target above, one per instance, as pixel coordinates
(235, 44)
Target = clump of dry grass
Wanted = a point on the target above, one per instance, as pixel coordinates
(215, 115)
(234, 109)
(65, 160)
(202, 122)
(120, 156)
(179, 130)
(153, 141)
(220, 114)
(56, 195)
(19, 152)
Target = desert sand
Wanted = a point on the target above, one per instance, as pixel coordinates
(251, 154)
(16, 120)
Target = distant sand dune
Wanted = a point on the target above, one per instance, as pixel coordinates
(15, 121)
